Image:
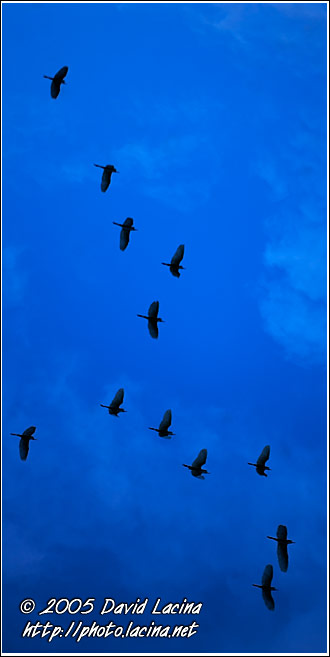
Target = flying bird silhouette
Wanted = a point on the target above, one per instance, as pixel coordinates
(282, 547)
(260, 464)
(153, 319)
(25, 437)
(108, 170)
(116, 402)
(266, 587)
(57, 80)
(126, 228)
(196, 466)
(174, 265)
(162, 430)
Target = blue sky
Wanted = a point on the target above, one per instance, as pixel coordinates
(215, 116)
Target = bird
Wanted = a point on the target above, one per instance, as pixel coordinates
(174, 265)
(126, 228)
(57, 80)
(196, 466)
(266, 587)
(282, 547)
(25, 437)
(153, 319)
(116, 402)
(260, 464)
(108, 170)
(164, 425)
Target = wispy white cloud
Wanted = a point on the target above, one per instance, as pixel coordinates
(295, 321)
(293, 301)
(14, 278)
(167, 171)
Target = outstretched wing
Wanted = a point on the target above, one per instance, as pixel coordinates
(153, 328)
(153, 310)
(178, 256)
(60, 75)
(24, 448)
(264, 456)
(175, 271)
(106, 176)
(118, 398)
(166, 421)
(124, 239)
(200, 459)
(282, 532)
(268, 599)
(29, 432)
(282, 556)
(267, 575)
(55, 88)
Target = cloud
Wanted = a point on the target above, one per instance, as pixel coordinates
(293, 285)
(167, 171)
(14, 277)
(296, 322)
(293, 299)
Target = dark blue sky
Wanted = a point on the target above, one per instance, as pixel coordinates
(215, 116)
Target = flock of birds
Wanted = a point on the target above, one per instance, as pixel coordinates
(114, 408)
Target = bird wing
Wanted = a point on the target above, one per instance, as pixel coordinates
(118, 398)
(200, 459)
(55, 88)
(153, 310)
(267, 575)
(166, 421)
(153, 328)
(175, 271)
(124, 239)
(264, 456)
(24, 448)
(105, 180)
(178, 256)
(282, 556)
(268, 599)
(29, 431)
(60, 75)
(282, 532)
(128, 222)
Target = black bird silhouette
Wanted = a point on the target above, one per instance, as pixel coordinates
(57, 80)
(126, 228)
(108, 170)
(266, 587)
(162, 430)
(116, 402)
(282, 547)
(260, 464)
(25, 437)
(153, 319)
(174, 265)
(196, 466)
